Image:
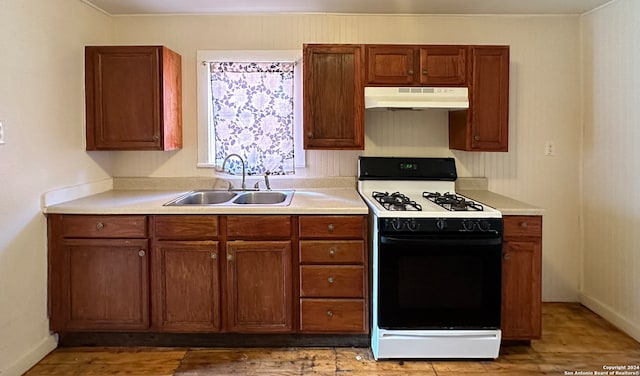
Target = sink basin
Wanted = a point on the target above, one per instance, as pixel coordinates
(216, 197)
(202, 197)
(265, 198)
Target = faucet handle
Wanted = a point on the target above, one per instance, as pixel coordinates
(266, 180)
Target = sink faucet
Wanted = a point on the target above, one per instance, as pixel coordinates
(224, 162)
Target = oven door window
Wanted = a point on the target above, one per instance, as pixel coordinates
(439, 283)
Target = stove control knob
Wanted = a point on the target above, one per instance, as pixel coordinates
(441, 224)
(468, 225)
(412, 225)
(484, 226)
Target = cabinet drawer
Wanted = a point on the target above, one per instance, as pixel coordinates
(258, 226)
(185, 226)
(332, 315)
(321, 281)
(104, 226)
(332, 252)
(336, 226)
(522, 226)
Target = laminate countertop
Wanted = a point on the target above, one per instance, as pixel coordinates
(305, 201)
(506, 205)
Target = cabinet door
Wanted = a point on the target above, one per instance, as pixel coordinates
(186, 286)
(259, 288)
(133, 98)
(333, 94)
(105, 284)
(390, 65)
(521, 300)
(443, 65)
(485, 125)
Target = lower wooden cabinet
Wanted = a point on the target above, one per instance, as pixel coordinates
(521, 278)
(208, 274)
(259, 286)
(186, 286)
(97, 281)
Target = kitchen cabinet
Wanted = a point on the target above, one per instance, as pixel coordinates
(333, 274)
(258, 267)
(407, 65)
(485, 125)
(98, 273)
(133, 98)
(185, 273)
(521, 278)
(333, 96)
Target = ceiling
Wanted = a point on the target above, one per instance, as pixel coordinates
(124, 7)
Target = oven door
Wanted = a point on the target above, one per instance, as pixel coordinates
(439, 282)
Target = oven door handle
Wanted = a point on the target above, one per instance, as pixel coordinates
(449, 241)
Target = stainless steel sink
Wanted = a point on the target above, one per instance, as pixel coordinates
(216, 197)
(202, 197)
(281, 198)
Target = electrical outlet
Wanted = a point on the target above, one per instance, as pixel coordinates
(549, 148)
(1, 133)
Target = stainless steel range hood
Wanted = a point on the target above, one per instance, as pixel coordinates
(416, 98)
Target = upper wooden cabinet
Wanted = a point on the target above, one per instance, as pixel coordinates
(333, 94)
(485, 125)
(416, 65)
(133, 98)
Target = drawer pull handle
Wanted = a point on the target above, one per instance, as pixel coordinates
(523, 225)
(424, 72)
(329, 313)
(99, 226)
(141, 253)
(332, 251)
(410, 72)
(331, 279)
(331, 227)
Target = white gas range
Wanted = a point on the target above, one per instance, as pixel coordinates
(436, 260)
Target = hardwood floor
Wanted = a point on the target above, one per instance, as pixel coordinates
(574, 339)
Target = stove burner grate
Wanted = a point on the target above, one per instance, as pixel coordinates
(452, 202)
(396, 201)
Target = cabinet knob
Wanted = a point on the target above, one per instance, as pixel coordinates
(141, 253)
(332, 251)
(213, 256)
(331, 227)
(476, 137)
(99, 226)
(524, 225)
(410, 72)
(310, 134)
(156, 137)
(507, 256)
(329, 313)
(424, 72)
(331, 280)
(229, 256)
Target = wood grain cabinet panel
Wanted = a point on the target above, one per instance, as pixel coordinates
(133, 98)
(388, 64)
(258, 227)
(186, 286)
(521, 278)
(258, 286)
(337, 226)
(333, 316)
(104, 226)
(332, 251)
(485, 125)
(185, 227)
(333, 94)
(332, 281)
(105, 284)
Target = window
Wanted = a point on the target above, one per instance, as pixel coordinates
(249, 104)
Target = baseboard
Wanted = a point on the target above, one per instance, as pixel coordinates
(619, 321)
(23, 364)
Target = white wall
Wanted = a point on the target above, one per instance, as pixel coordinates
(544, 106)
(611, 163)
(41, 106)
